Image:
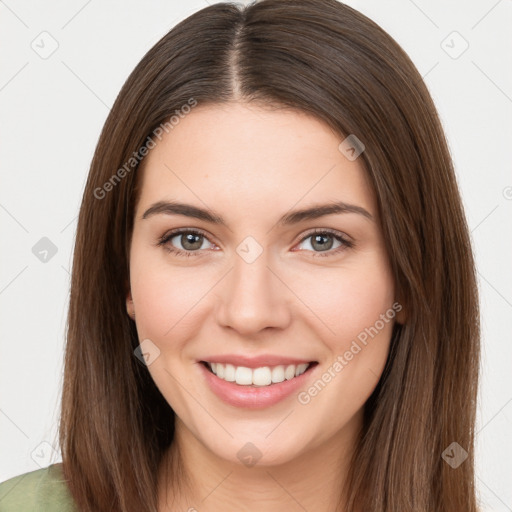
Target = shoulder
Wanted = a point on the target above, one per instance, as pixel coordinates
(37, 491)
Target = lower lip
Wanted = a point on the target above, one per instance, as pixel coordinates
(254, 397)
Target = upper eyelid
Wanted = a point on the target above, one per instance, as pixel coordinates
(180, 231)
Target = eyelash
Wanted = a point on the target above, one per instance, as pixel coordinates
(162, 241)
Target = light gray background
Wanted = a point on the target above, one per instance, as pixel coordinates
(53, 109)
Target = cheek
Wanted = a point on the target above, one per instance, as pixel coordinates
(358, 308)
(164, 296)
(348, 300)
(165, 299)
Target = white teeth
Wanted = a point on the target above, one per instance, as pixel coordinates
(264, 376)
(289, 373)
(229, 373)
(301, 368)
(278, 373)
(243, 375)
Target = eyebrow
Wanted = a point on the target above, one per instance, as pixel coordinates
(291, 218)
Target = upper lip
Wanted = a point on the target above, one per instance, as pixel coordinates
(256, 361)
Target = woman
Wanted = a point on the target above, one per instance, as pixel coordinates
(273, 301)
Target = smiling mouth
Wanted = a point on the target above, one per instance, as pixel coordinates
(258, 377)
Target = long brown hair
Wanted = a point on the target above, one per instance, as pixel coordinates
(326, 59)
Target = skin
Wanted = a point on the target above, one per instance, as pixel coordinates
(251, 165)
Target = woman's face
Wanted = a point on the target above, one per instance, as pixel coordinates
(255, 289)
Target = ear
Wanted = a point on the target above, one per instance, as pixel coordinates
(130, 308)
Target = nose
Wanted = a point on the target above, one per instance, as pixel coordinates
(253, 297)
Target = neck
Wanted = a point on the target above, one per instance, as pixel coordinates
(192, 478)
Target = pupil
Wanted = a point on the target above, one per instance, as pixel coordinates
(189, 239)
(323, 246)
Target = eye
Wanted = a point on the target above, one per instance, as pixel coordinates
(322, 242)
(191, 241)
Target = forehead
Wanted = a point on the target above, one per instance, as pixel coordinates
(244, 156)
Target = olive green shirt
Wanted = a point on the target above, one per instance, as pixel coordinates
(42, 490)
